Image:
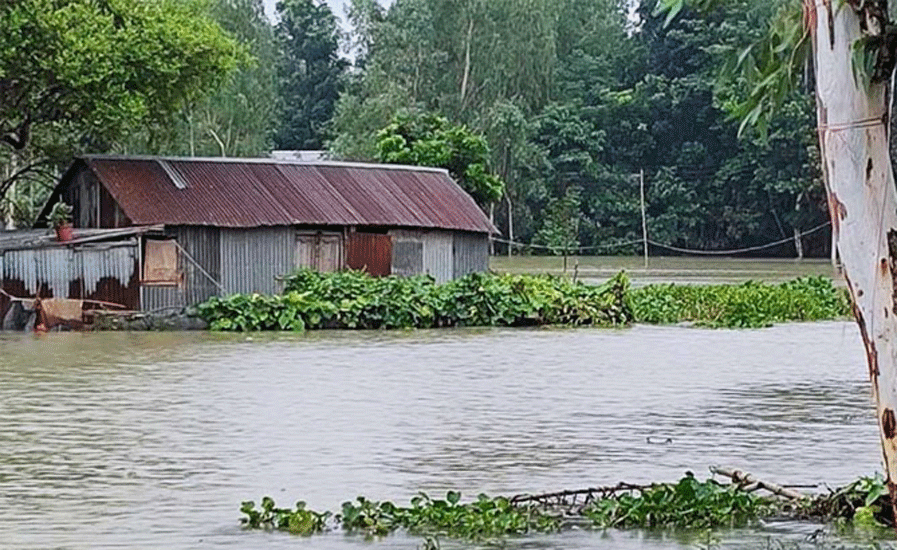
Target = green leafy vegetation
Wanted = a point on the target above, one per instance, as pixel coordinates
(352, 299)
(81, 73)
(429, 140)
(299, 521)
(745, 305)
(688, 503)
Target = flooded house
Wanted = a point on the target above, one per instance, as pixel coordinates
(158, 232)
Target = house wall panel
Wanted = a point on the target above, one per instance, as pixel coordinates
(104, 272)
(252, 260)
(371, 252)
(434, 247)
(203, 250)
(471, 253)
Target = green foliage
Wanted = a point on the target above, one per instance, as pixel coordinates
(60, 214)
(85, 76)
(352, 299)
(105, 66)
(310, 72)
(236, 118)
(750, 304)
(483, 518)
(685, 504)
(560, 227)
(299, 521)
(866, 502)
(429, 140)
(688, 504)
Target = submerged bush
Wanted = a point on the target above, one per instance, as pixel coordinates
(745, 305)
(353, 299)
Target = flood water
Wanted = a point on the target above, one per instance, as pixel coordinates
(153, 440)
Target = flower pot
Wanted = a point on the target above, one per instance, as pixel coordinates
(64, 232)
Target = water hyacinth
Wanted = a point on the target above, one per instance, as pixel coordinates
(354, 300)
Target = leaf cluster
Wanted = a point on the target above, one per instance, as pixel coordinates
(483, 518)
(430, 140)
(689, 504)
(105, 66)
(299, 521)
(747, 305)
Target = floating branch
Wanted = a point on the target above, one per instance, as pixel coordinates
(747, 482)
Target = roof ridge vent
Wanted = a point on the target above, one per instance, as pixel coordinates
(173, 174)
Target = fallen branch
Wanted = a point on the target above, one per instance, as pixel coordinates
(750, 483)
(571, 498)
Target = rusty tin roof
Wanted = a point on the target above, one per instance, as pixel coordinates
(264, 192)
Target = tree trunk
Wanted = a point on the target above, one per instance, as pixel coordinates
(853, 137)
(510, 224)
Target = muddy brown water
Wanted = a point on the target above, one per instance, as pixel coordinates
(153, 440)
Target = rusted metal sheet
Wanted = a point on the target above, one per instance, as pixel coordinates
(253, 193)
(106, 272)
(370, 252)
(253, 260)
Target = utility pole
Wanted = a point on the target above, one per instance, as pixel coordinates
(641, 178)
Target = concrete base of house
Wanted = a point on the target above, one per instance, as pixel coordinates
(173, 319)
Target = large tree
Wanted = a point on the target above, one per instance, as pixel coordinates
(430, 140)
(310, 72)
(80, 73)
(854, 48)
(238, 117)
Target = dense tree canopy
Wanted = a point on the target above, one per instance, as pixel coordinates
(78, 75)
(430, 140)
(310, 72)
(573, 97)
(104, 66)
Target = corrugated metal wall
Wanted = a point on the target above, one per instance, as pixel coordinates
(106, 272)
(202, 244)
(471, 253)
(253, 259)
(443, 255)
(371, 252)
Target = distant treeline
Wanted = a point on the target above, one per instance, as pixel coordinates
(574, 99)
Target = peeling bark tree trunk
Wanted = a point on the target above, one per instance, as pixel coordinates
(853, 137)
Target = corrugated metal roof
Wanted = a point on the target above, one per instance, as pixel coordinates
(28, 239)
(265, 192)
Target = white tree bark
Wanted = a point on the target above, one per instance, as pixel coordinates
(853, 137)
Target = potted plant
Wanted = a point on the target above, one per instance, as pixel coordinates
(61, 218)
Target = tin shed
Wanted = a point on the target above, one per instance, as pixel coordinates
(237, 225)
